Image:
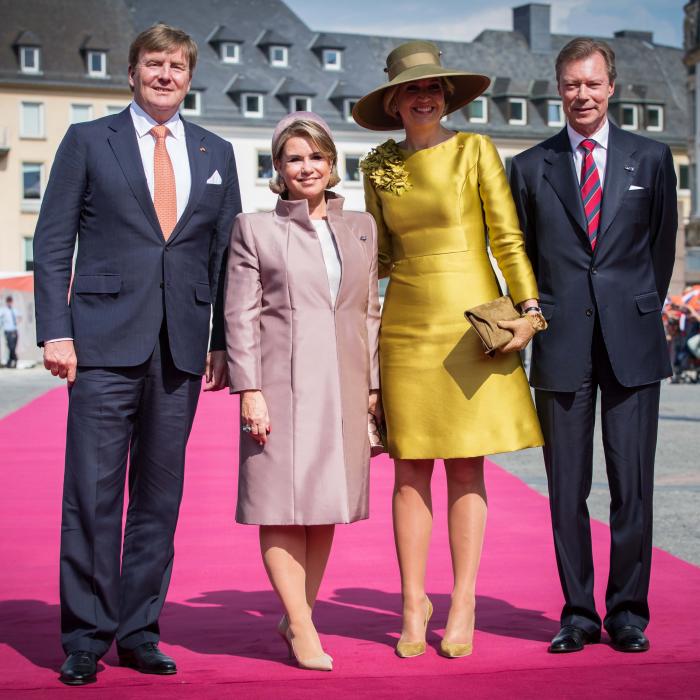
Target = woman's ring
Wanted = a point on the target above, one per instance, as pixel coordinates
(246, 428)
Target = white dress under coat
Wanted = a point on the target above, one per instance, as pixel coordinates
(314, 361)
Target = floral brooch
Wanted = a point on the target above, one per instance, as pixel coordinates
(386, 168)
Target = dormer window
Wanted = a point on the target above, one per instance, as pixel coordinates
(332, 59)
(629, 117)
(299, 103)
(478, 110)
(96, 64)
(348, 105)
(29, 59)
(279, 56)
(230, 52)
(252, 105)
(517, 111)
(192, 104)
(655, 118)
(555, 113)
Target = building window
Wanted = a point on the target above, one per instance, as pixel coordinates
(555, 113)
(478, 111)
(252, 104)
(628, 117)
(80, 113)
(655, 118)
(517, 111)
(265, 167)
(31, 124)
(332, 59)
(115, 109)
(31, 186)
(230, 52)
(348, 105)
(97, 64)
(299, 104)
(29, 59)
(192, 104)
(352, 169)
(279, 56)
(28, 244)
(684, 177)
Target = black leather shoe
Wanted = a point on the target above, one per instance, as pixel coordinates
(79, 668)
(147, 658)
(629, 638)
(571, 638)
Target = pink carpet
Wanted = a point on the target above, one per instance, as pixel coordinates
(220, 617)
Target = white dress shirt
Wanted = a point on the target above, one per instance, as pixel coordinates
(330, 256)
(9, 318)
(600, 152)
(176, 144)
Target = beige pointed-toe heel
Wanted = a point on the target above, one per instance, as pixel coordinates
(317, 663)
(407, 650)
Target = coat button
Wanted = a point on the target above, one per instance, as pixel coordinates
(594, 271)
(589, 312)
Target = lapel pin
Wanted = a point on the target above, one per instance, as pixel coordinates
(629, 168)
(363, 238)
(202, 149)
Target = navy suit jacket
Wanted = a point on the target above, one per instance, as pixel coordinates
(623, 281)
(127, 277)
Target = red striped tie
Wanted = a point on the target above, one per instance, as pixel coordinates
(591, 191)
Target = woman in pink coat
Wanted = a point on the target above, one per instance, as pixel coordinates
(302, 317)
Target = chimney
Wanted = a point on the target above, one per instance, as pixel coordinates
(532, 21)
(635, 34)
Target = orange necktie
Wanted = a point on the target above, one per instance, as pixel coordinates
(164, 194)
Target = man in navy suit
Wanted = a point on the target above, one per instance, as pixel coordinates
(597, 206)
(151, 200)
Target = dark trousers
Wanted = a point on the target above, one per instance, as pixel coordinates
(144, 413)
(629, 424)
(11, 338)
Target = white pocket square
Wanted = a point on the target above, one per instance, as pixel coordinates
(636, 187)
(214, 178)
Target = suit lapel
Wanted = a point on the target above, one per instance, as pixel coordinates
(126, 150)
(619, 173)
(199, 157)
(561, 175)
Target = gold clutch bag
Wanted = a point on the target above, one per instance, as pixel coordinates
(485, 317)
(377, 436)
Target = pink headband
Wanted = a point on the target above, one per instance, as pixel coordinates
(294, 117)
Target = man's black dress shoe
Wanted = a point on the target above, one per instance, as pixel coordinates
(147, 658)
(571, 638)
(629, 638)
(79, 668)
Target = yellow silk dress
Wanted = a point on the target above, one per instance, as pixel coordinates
(443, 396)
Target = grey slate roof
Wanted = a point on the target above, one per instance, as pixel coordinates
(648, 73)
(64, 30)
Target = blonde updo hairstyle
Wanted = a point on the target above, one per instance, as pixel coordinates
(389, 100)
(321, 140)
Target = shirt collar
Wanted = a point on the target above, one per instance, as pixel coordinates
(144, 122)
(600, 136)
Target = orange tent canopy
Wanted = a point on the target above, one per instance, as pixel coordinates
(20, 283)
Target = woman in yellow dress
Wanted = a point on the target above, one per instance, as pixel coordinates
(438, 197)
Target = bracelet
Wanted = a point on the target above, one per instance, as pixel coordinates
(536, 309)
(536, 320)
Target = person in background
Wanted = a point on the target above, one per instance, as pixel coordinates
(10, 320)
(438, 197)
(302, 316)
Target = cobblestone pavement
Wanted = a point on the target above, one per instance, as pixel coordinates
(677, 491)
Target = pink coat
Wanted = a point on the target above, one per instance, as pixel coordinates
(315, 364)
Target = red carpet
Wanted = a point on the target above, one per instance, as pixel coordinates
(220, 617)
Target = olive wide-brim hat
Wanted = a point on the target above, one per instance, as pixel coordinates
(415, 60)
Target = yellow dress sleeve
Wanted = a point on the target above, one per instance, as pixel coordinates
(505, 237)
(374, 206)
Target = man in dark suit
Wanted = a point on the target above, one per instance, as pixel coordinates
(598, 208)
(151, 200)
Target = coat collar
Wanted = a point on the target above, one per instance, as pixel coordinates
(297, 210)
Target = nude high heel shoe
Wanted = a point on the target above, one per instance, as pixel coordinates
(452, 650)
(317, 663)
(406, 650)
